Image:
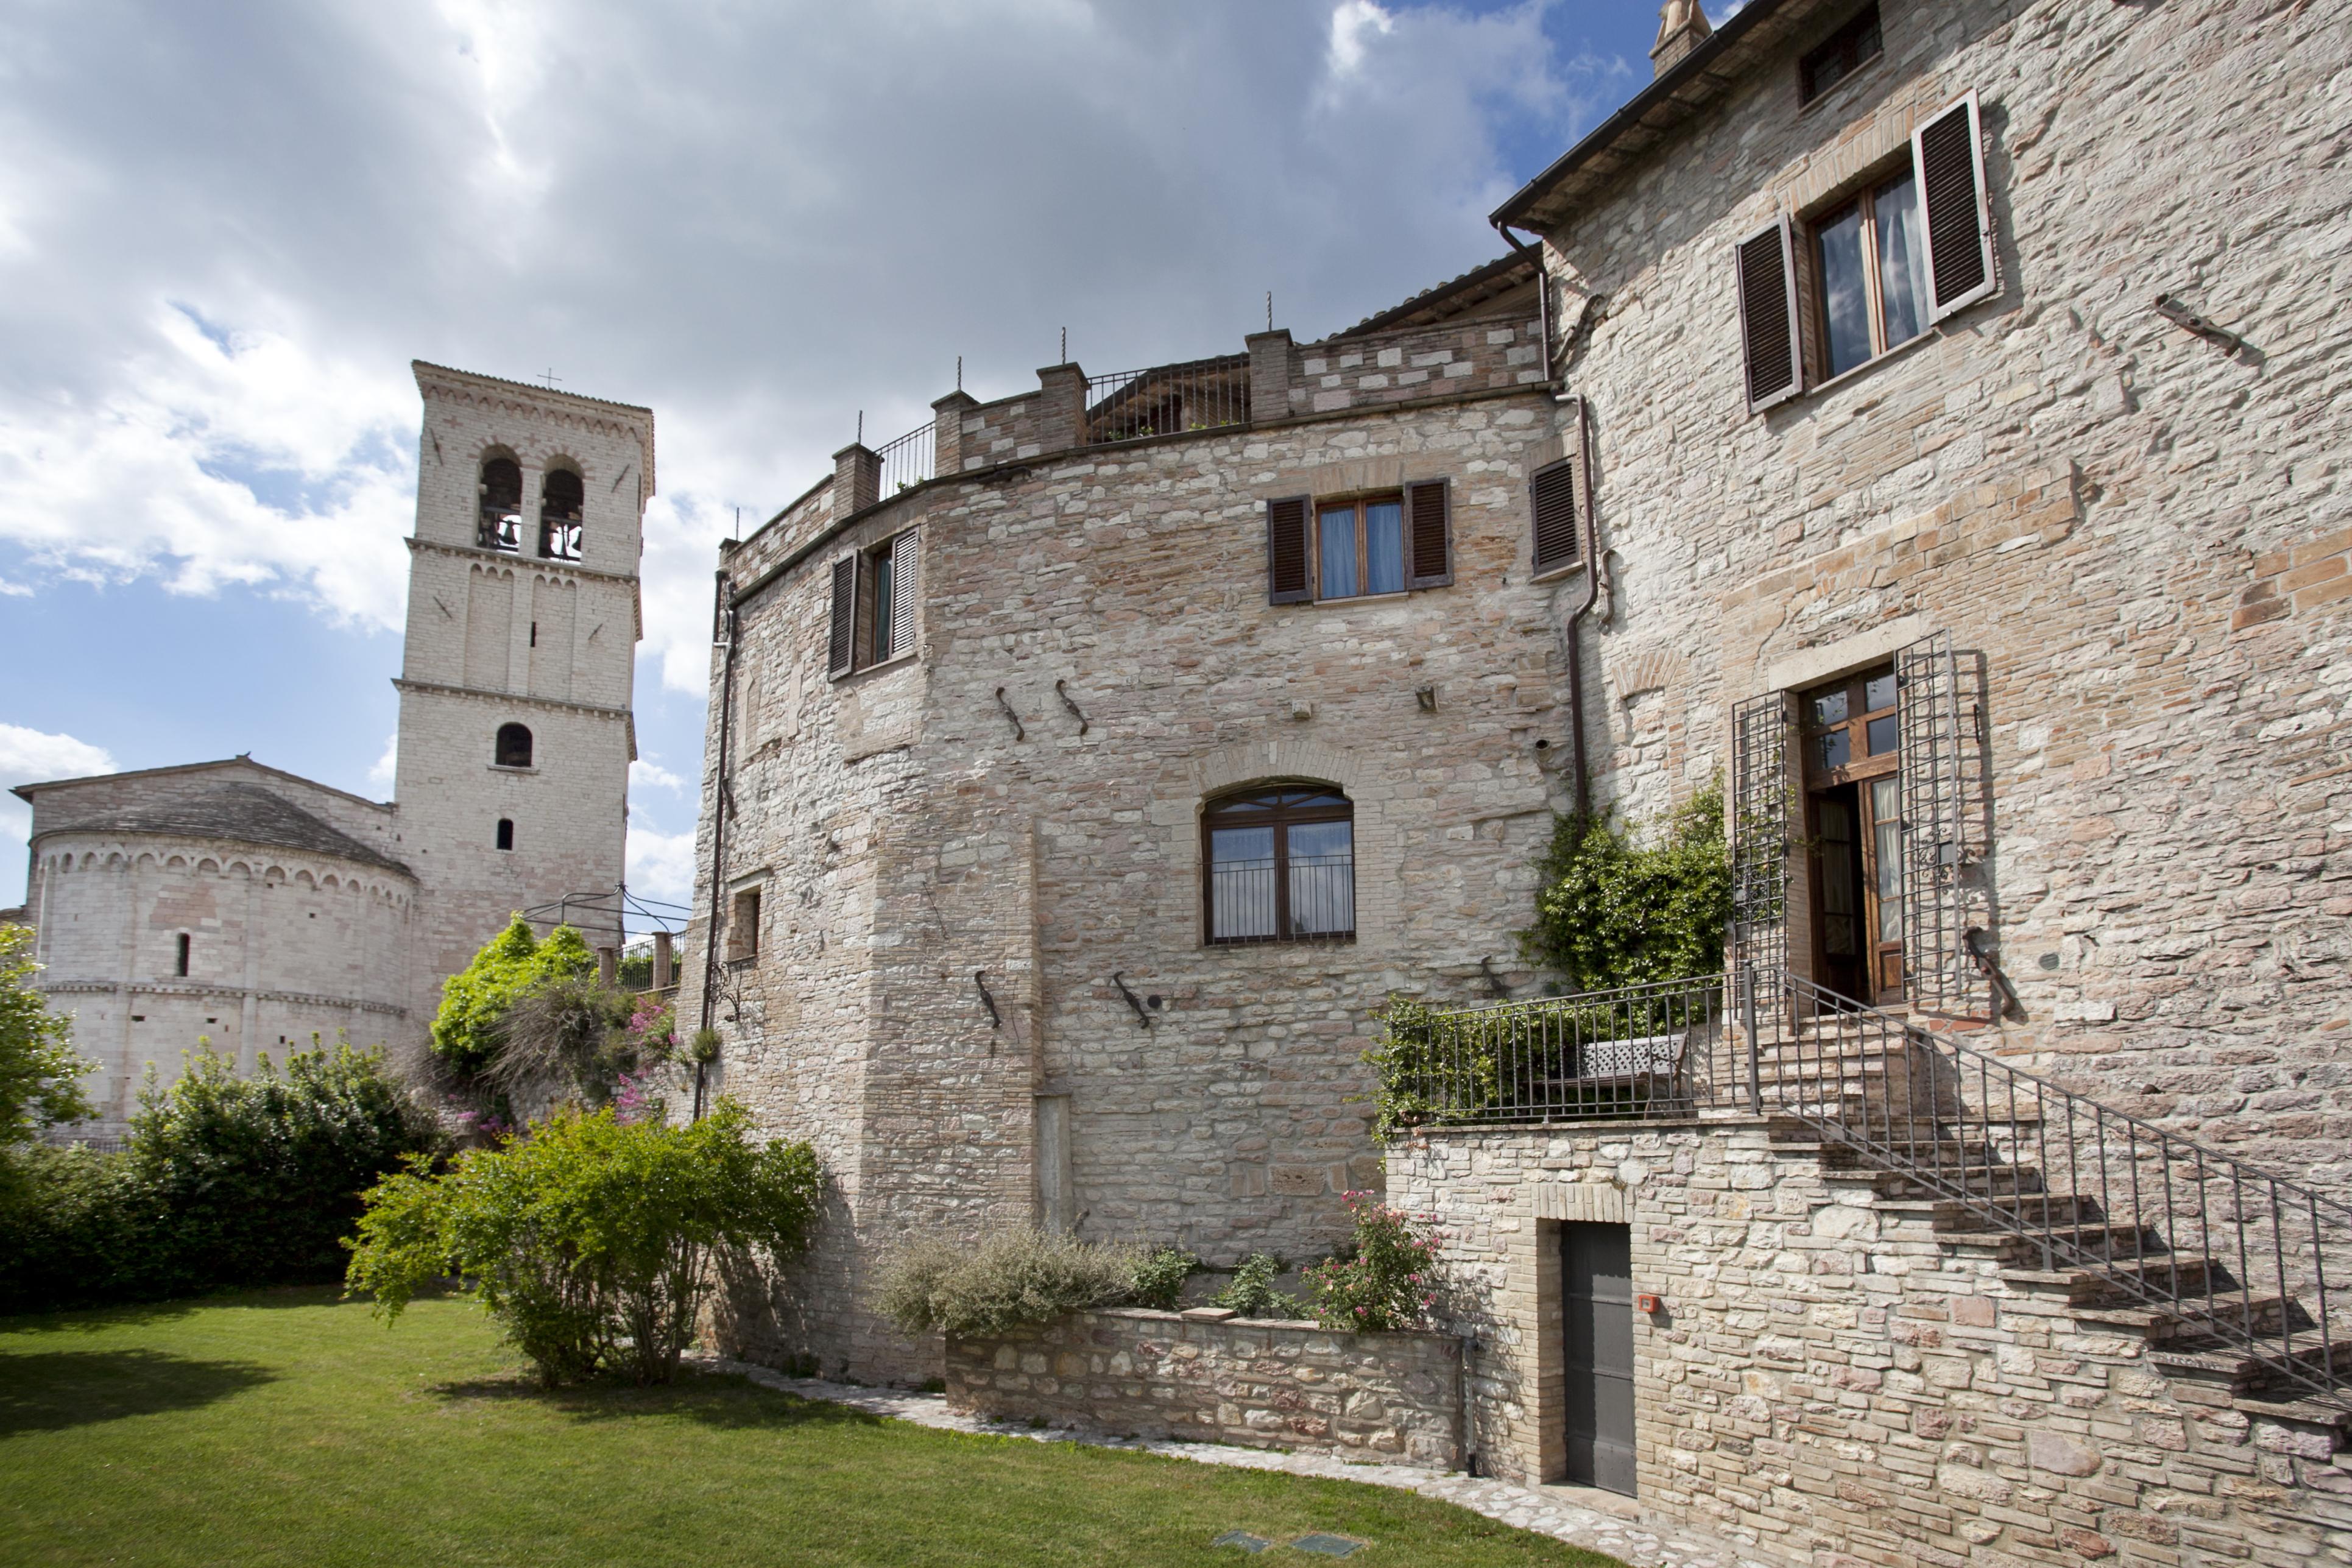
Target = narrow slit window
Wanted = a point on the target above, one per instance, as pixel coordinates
(506, 833)
(743, 927)
(182, 967)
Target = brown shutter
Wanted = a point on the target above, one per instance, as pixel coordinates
(1947, 153)
(1768, 315)
(902, 593)
(1557, 516)
(1427, 513)
(841, 646)
(1285, 552)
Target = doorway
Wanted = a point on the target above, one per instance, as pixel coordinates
(1596, 1298)
(1853, 818)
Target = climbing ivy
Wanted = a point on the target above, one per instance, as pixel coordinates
(1616, 908)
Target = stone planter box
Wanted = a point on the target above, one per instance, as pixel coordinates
(1263, 1382)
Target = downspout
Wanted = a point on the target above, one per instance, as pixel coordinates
(1577, 758)
(722, 628)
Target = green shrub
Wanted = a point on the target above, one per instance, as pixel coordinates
(592, 1240)
(1159, 1278)
(40, 1077)
(1252, 1293)
(469, 1028)
(1611, 912)
(227, 1181)
(1388, 1281)
(1009, 1277)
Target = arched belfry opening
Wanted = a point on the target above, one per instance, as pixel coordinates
(500, 523)
(562, 495)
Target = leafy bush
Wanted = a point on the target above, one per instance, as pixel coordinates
(469, 1028)
(1252, 1293)
(1159, 1278)
(1425, 1065)
(1388, 1282)
(1611, 912)
(592, 1240)
(1007, 1279)
(227, 1180)
(566, 1033)
(40, 1077)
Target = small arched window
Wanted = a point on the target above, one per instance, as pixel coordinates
(514, 747)
(500, 526)
(506, 833)
(561, 498)
(1278, 864)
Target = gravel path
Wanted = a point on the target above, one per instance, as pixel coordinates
(1542, 1510)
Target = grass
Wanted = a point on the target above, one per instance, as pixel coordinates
(287, 1428)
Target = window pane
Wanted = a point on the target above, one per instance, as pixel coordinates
(1337, 528)
(1241, 883)
(1886, 835)
(1882, 735)
(1845, 308)
(1902, 262)
(1836, 749)
(1384, 547)
(1878, 692)
(1837, 878)
(1830, 709)
(881, 566)
(1322, 862)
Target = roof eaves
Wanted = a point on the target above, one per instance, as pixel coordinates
(1634, 115)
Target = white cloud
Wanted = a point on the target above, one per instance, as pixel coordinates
(32, 756)
(661, 865)
(387, 766)
(1352, 22)
(645, 773)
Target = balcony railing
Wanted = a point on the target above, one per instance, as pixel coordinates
(908, 460)
(1166, 400)
(1253, 900)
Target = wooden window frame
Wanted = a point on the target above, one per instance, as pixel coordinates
(1281, 819)
(1363, 542)
(873, 635)
(1861, 768)
(1812, 286)
(1846, 41)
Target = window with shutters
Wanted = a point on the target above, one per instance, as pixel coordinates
(1872, 269)
(1278, 864)
(1354, 547)
(874, 598)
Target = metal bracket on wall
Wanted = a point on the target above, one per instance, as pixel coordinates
(1142, 1018)
(980, 978)
(1060, 691)
(1018, 732)
(1980, 949)
(2178, 312)
(1493, 981)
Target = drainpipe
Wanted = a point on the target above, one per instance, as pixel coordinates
(723, 627)
(1577, 760)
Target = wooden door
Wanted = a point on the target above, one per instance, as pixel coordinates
(1854, 802)
(1597, 1292)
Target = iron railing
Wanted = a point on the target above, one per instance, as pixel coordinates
(2239, 1261)
(1165, 400)
(1302, 897)
(908, 460)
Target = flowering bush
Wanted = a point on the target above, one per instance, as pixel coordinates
(1388, 1282)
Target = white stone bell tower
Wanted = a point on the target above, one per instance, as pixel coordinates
(523, 618)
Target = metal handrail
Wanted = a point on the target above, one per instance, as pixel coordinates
(1168, 399)
(907, 461)
(2240, 1258)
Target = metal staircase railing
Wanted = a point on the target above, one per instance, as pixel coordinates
(2239, 1260)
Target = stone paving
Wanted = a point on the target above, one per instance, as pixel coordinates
(1546, 1511)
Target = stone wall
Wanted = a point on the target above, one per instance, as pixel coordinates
(1262, 1383)
(1832, 1382)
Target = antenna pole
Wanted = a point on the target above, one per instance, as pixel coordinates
(1066, 345)
(1269, 309)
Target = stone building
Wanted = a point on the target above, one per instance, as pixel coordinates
(241, 904)
(1926, 420)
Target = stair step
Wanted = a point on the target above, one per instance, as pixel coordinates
(2163, 1277)
(2191, 1319)
(1951, 1215)
(1996, 1182)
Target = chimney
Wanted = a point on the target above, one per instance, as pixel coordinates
(1682, 27)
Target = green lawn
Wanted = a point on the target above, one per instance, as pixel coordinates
(284, 1427)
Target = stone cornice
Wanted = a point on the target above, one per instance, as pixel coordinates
(376, 876)
(189, 988)
(557, 704)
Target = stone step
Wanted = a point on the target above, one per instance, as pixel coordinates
(1996, 1181)
(2191, 1319)
(2112, 1285)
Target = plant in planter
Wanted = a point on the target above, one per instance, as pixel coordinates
(1389, 1280)
(1159, 1277)
(1252, 1294)
(951, 1285)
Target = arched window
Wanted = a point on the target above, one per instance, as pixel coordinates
(1279, 865)
(561, 498)
(514, 746)
(506, 833)
(501, 527)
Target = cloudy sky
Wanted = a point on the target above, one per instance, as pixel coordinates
(227, 226)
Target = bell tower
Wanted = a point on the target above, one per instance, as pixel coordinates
(516, 733)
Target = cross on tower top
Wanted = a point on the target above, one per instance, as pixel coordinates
(549, 376)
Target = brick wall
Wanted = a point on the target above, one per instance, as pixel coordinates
(1260, 1383)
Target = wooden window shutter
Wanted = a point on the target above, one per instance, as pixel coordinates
(1286, 581)
(841, 646)
(1559, 531)
(1428, 513)
(1768, 315)
(902, 593)
(1947, 152)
